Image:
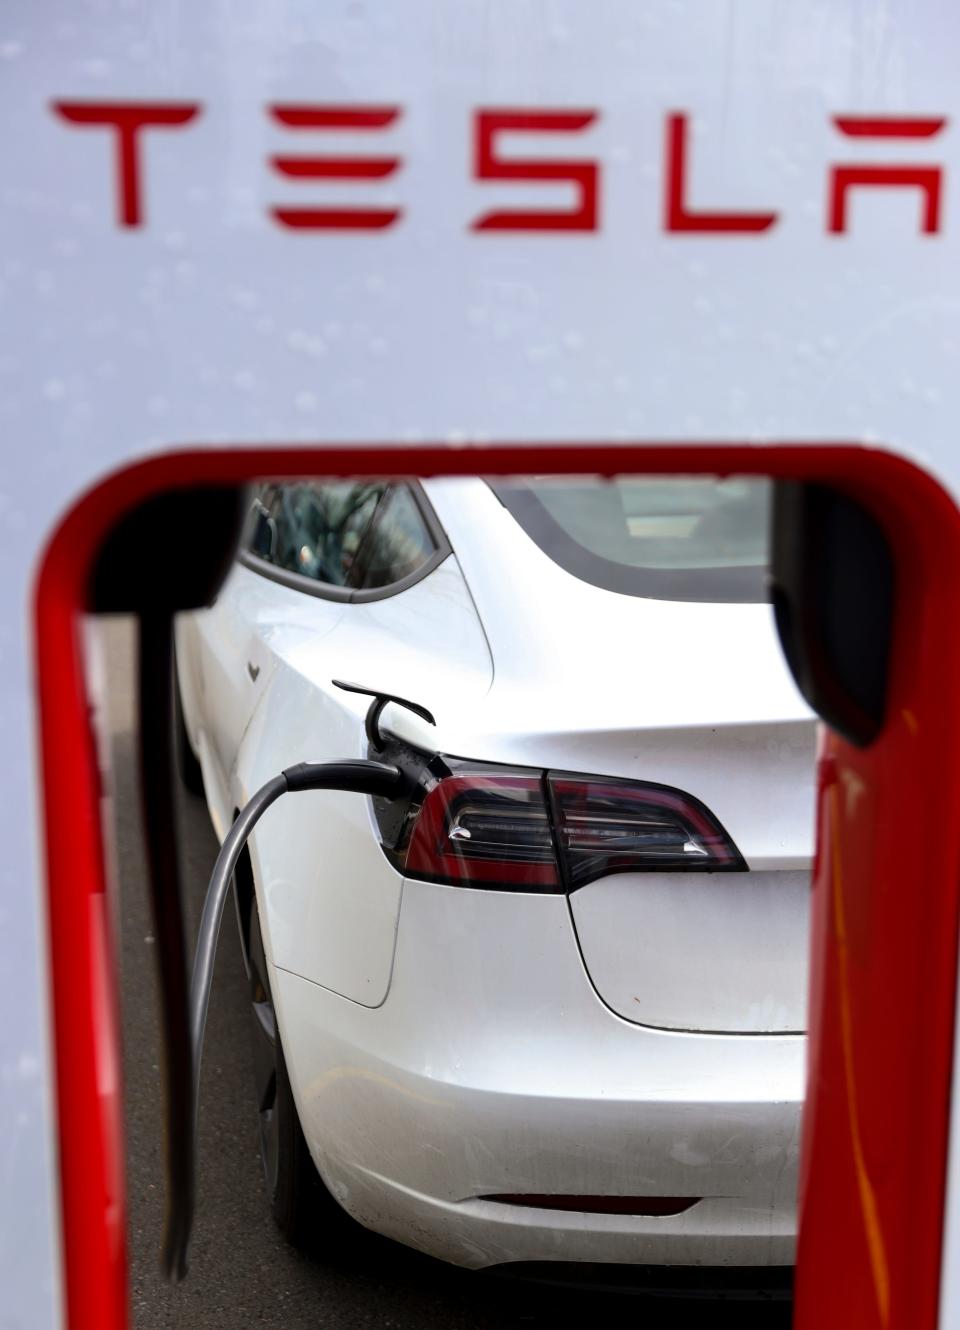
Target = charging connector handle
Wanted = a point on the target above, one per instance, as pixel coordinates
(360, 776)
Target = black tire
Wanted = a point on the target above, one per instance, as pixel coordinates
(304, 1211)
(188, 768)
(299, 1197)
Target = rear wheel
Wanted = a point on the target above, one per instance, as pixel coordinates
(304, 1210)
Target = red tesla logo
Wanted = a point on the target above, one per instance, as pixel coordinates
(128, 122)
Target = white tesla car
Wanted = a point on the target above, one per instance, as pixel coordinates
(550, 1008)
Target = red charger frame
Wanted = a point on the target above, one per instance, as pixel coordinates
(885, 887)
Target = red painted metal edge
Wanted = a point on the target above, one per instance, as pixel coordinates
(884, 957)
(885, 898)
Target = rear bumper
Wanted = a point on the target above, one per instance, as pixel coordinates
(476, 1233)
(492, 1067)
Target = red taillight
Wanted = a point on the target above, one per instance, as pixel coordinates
(553, 832)
(606, 827)
(486, 829)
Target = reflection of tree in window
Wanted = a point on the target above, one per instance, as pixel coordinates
(396, 544)
(329, 524)
(345, 533)
(314, 530)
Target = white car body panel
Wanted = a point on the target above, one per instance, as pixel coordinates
(329, 897)
(669, 949)
(492, 1068)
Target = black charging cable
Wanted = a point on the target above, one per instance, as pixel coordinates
(361, 776)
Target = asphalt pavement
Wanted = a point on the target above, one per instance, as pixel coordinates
(242, 1273)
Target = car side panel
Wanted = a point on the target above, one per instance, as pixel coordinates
(329, 900)
(327, 896)
(229, 648)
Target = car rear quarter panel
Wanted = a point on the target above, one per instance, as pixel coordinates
(329, 899)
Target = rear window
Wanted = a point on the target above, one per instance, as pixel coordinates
(666, 537)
